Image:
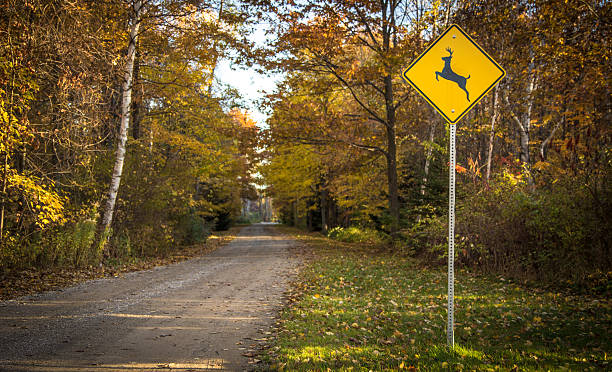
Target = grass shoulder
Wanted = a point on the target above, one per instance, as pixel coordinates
(358, 308)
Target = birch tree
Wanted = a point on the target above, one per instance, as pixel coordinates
(135, 18)
(494, 116)
(523, 120)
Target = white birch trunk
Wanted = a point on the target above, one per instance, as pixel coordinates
(492, 132)
(524, 122)
(548, 139)
(107, 217)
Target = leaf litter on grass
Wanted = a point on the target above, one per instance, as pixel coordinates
(357, 310)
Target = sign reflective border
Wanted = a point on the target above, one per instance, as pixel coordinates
(453, 74)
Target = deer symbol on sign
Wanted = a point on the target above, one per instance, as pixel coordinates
(448, 73)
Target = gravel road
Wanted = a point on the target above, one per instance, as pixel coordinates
(207, 313)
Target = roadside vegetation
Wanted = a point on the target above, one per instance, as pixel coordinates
(355, 151)
(17, 282)
(357, 308)
(117, 143)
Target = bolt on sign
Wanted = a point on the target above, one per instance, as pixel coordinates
(453, 74)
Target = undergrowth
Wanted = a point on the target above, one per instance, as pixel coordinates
(23, 281)
(357, 235)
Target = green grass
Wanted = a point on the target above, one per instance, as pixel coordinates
(356, 310)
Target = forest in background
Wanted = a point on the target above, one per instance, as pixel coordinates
(116, 140)
(354, 151)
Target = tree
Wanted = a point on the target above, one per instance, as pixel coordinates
(51, 63)
(135, 18)
(179, 30)
(359, 45)
(63, 69)
(292, 174)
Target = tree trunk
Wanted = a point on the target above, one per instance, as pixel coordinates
(524, 145)
(548, 139)
(524, 121)
(387, 28)
(492, 132)
(392, 179)
(107, 217)
(150, 139)
(268, 217)
(324, 210)
(432, 132)
(526, 127)
(137, 101)
(4, 183)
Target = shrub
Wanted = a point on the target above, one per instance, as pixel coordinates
(554, 234)
(192, 229)
(223, 221)
(67, 245)
(357, 235)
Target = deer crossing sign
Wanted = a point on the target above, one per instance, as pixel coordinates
(453, 74)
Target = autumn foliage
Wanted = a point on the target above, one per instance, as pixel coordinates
(533, 155)
(348, 144)
(188, 157)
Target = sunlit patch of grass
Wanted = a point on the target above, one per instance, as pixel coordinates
(359, 310)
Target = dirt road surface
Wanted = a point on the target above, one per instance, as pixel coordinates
(204, 314)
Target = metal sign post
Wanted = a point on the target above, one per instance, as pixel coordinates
(450, 327)
(453, 74)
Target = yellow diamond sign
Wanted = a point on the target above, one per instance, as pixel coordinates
(453, 74)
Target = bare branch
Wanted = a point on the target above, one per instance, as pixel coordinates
(550, 137)
(332, 70)
(368, 29)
